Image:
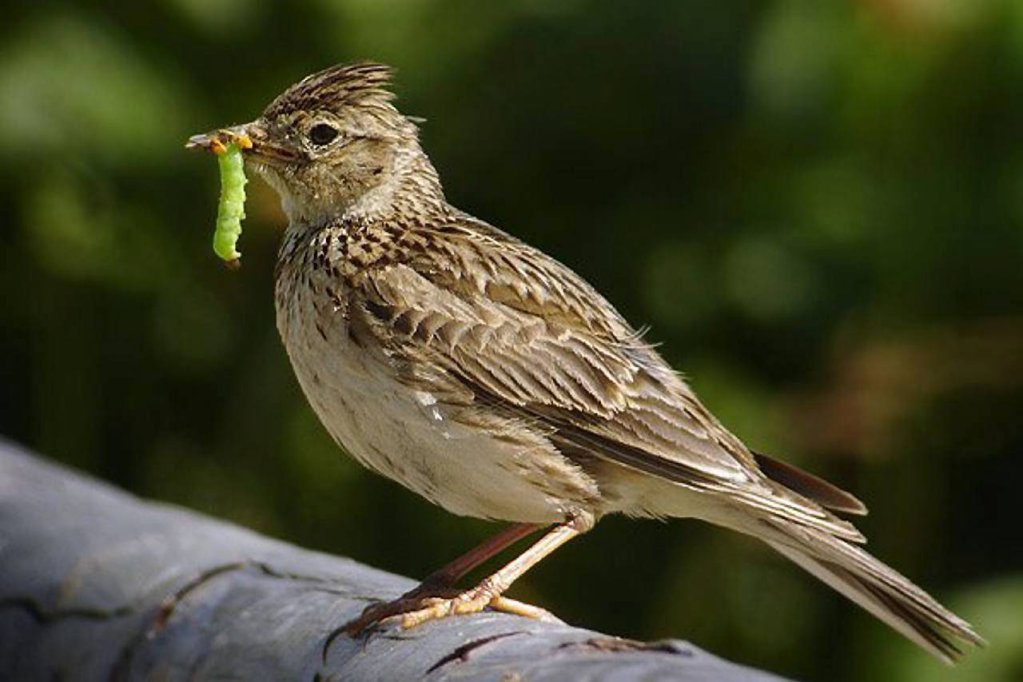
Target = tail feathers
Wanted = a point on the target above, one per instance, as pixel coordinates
(876, 587)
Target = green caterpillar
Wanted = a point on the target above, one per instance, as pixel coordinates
(231, 208)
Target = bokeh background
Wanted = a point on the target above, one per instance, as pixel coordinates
(818, 206)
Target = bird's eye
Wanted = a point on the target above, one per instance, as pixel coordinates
(322, 134)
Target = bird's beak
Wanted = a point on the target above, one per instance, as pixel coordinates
(251, 138)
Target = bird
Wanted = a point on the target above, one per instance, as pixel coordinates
(489, 378)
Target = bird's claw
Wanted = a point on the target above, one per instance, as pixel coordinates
(416, 608)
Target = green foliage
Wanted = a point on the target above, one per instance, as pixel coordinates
(817, 206)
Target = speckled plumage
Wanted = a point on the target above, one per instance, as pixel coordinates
(491, 379)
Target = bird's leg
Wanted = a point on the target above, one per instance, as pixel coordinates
(440, 583)
(457, 569)
(422, 608)
(490, 589)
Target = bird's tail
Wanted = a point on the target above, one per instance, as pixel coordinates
(876, 587)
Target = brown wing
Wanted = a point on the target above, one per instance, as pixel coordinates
(809, 486)
(526, 336)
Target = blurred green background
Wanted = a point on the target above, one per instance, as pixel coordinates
(817, 206)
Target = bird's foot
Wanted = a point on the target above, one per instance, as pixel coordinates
(426, 603)
(469, 602)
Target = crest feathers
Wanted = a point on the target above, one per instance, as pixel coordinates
(336, 87)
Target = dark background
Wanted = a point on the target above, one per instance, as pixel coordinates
(817, 206)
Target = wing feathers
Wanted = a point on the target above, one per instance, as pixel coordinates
(545, 347)
(809, 486)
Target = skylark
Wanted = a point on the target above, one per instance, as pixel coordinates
(492, 380)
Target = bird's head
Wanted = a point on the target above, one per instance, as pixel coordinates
(333, 143)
